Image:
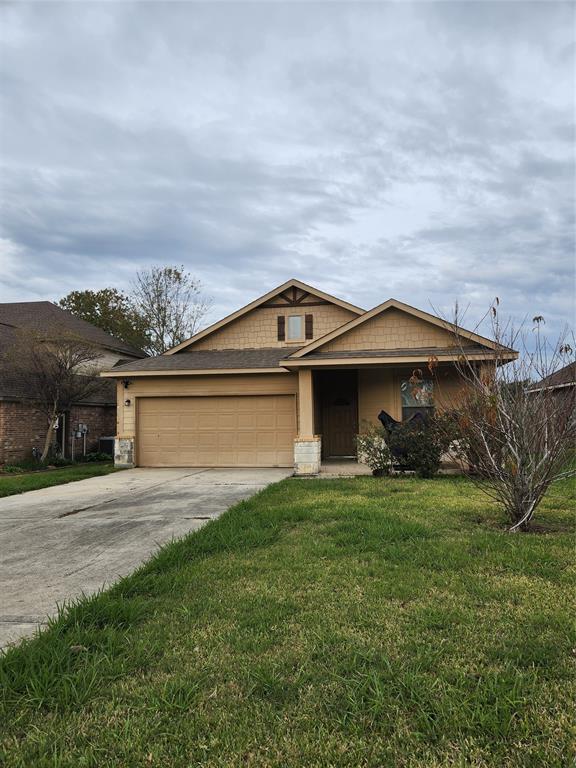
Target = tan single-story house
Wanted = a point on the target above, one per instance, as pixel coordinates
(285, 381)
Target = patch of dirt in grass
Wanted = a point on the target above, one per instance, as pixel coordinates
(563, 526)
(543, 527)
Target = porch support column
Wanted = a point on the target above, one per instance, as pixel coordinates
(307, 446)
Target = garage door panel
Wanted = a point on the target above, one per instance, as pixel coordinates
(245, 440)
(199, 441)
(247, 404)
(216, 431)
(266, 440)
(226, 440)
(227, 421)
(246, 420)
(285, 421)
(185, 421)
(164, 441)
(205, 421)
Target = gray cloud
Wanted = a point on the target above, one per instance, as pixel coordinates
(421, 151)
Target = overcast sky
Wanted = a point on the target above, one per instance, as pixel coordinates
(419, 151)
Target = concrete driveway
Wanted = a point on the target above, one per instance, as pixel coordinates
(58, 542)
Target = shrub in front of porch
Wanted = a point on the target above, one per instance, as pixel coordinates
(419, 445)
(373, 449)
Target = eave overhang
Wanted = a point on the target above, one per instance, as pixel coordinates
(363, 362)
(189, 372)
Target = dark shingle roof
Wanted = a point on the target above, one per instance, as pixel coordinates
(45, 316)
(223, 359)
(15, 386)
(405, 352)
(566, 375)
(209, 359)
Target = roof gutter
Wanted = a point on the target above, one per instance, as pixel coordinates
(552, 386)
(187, 372)
(362, 361)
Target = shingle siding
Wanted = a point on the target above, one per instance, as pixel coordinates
(259, 328)
(393, 329)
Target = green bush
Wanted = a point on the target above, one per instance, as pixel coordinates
(56, 461)
(373, 449)
(33, 465)
(29, 465)
(11, 469)
(419, 445)
(95, 456)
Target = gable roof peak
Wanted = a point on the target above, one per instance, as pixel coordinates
(275, 292)
(403, 307)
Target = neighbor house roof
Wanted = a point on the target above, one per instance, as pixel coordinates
(15, 385)
(275, 292)
(564, 377)
(43, 316)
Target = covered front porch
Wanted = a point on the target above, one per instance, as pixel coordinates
(336, 403)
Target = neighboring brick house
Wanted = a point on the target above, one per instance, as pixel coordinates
(562, 379)
(561, 385)
(21, 427)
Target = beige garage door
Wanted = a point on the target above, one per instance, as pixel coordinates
(246, 431)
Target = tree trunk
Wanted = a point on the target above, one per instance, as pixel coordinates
(523, 511)
(48, 439)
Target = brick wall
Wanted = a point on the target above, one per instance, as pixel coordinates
(22, 428)
(101, 422)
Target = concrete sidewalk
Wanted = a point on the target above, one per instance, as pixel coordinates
(57, 543)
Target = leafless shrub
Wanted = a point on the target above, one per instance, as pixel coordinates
(515, 436)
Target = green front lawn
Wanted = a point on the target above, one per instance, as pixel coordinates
(11, 484)
(362, 622)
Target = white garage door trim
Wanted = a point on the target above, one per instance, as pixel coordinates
(252, 430)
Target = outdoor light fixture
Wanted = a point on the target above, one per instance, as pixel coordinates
(127, 401)
(126, 383)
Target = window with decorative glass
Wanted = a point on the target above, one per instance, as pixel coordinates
(417, 395)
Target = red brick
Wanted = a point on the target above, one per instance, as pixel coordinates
(22, 428)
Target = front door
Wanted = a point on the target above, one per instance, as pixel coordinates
(339, 413)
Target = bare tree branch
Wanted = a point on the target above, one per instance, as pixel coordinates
(515, 437)
(58, 370)
(172, 303)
